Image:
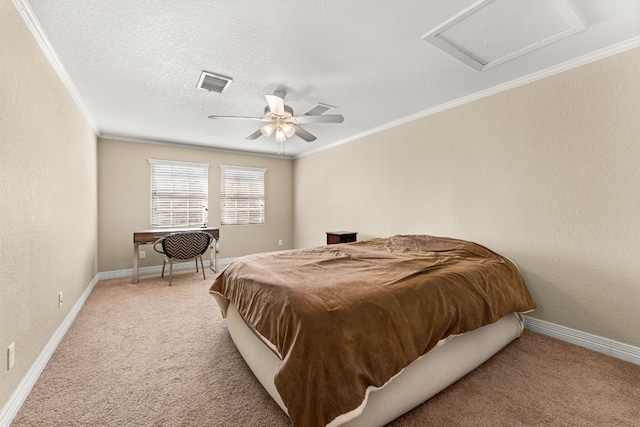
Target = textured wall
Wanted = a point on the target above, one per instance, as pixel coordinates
(48, 208)
(547, 174)
(124, 182)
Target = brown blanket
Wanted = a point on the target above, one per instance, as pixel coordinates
(346, 317)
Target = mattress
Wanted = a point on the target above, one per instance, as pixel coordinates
(422, 379)
(343, 320)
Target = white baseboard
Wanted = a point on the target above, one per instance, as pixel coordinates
(155, 269)
(11, 408)
(612, 348)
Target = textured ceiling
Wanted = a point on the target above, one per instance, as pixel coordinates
(135, 64)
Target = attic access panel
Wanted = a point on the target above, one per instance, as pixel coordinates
(491, 32)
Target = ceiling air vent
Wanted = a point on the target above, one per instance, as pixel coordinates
(319, 109)
(214, 82)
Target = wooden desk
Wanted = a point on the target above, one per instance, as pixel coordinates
(146, 237)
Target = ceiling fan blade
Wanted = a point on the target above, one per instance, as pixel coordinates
(239, 118)
(276, 104)
(304, 134)
(257, 134)
(329, 118)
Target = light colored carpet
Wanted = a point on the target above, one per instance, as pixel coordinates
(154, 355)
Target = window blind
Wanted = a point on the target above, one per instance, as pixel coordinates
(242, 195)
(178, 193)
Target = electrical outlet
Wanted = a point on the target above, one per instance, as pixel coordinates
(279, 242)
(59, 299)
(11, 355)
(143, 254)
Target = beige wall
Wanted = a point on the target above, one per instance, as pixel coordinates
(124, 201)
(48, 208)
(548, 174)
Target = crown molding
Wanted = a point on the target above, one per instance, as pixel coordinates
(179, 144)
(34, 26)
(574, 63)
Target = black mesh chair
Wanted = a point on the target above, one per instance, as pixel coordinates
(185, 246)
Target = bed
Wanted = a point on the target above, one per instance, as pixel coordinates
(358, 334)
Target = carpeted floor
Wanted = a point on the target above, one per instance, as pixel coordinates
(154, 355)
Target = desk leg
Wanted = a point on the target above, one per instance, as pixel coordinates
(213, 256)
(136, 258)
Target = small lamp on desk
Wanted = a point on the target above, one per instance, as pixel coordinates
(206, 217)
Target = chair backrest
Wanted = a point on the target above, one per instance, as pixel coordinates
(186, 245)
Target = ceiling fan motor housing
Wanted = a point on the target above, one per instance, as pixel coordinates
(287, 111)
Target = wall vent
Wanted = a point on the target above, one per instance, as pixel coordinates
(319, 109)
(214, 82)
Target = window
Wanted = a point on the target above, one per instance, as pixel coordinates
(178, 193)
(242, 195)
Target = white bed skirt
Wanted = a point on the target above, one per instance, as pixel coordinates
(418, 382)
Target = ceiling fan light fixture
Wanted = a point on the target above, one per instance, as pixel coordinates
(280, 135)
(288, 130)
(267, 129)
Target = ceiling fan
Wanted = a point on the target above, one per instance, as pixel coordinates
(280, 119)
